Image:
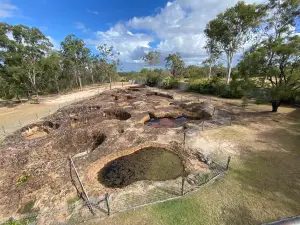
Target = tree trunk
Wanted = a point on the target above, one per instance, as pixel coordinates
(229, 66)
(92, 78)
(109, 82)
(57, 86)
(210, 67)
(79, 81)
(275, 105)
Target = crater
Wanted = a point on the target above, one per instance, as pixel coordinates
(98, 140)
(167, 122)
(155, 164)
(119, 114)
(39, 130)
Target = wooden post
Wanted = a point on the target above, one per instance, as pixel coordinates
(184, 137)
(82, 187)
(107, 204)
(181, 98)
(228, 161)
(230, 120)
(203, 125)
(182, 186)
(214, 111)
(3, 129)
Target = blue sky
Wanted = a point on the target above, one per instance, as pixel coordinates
(134, 27)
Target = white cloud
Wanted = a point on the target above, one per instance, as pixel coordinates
(56, 44)
(81, 26)
(7, 9)
(131, 46)
(178, 27)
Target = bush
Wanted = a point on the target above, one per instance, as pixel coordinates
(153, 78)
(170, 82)
(218, 87)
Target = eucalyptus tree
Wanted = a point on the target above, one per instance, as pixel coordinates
(213, 51)
(109, 61)
(152, 58)
(276, 58)
(75, 56)
(231, 29)
(175, 64)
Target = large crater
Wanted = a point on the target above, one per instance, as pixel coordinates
(156, 164)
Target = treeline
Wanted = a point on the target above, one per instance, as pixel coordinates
(270, 65)
(30, 66)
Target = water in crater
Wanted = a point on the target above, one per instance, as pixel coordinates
(156, 164)
(167, 122)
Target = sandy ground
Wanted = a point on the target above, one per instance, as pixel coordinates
(13, 118)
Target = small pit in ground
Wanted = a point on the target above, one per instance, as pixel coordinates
(39, 131)
(98, 140)
(166, 122)
(119, 114)
(156, 164)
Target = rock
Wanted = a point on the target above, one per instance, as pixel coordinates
(198, 111)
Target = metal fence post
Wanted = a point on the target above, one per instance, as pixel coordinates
(107, 204)
(228, 161)
(182, 186)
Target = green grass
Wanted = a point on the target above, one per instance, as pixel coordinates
(71, 201)
(26, 221)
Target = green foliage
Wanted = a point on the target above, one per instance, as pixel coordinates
(23, 179)
(218, 87)
(25, 221)
(170, 82)
(276, 59)
(71, 201)
(152, 58)
(231, 30)
(175, 64)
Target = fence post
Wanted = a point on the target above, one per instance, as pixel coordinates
(3, 129)
(181, 98)
(107, 204)
(82, 187)
(182, 185)
(203, 125)
(230, 120)
(214, 111)
(228, 161)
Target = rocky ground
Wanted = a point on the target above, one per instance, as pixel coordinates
(34, 165)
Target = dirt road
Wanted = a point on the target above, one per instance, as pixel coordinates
(13, 118)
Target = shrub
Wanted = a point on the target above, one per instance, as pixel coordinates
(170, 82)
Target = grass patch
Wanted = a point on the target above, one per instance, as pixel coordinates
(25, 221)
(23, 179)
(71, 201)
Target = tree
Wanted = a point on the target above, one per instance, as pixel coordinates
(75, 56)
(277, 57)
(213, 51)
(230, 30)
(21, 55)
(109, 60)
(175, 64)
(52, 70)
(152, 58)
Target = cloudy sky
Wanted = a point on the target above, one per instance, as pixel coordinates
(134, 27)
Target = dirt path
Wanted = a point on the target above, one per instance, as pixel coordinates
(13, 118)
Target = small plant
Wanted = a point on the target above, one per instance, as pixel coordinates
(25, 221)
(71, 201)
(27, 208)
(202, 178)
(23, 179)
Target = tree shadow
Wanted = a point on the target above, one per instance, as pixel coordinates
(11, 103)
(239, 215)
(273, 172)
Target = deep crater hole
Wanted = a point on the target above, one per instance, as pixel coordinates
(98, 140)
(156, 164)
